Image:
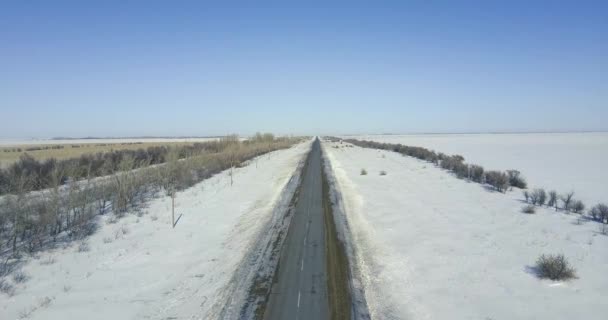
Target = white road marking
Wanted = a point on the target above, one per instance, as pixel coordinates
(302, 266)
(298, 299)
(304, 240)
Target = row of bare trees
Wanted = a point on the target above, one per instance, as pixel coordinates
(499, 180)
(43, 174)
(566, 202)
(65, 210)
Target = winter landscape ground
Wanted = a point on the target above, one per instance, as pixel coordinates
(561, 161)
(430, 246)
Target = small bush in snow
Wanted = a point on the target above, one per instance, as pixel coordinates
(578, 206)
(20, 277)
(567, 200)
(107, 240)
(516, 180)
(48, 261)
(363, 172)
(382, 173)
(476, 173)
(526, 195)
(599, 212)
(83, 247)
(528, 209)
(552, 202)
(498, 180)
(7, 288)
(538, 197)
(554, 267)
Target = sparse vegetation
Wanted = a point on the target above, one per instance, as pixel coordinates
(554, 267)
(476, 173)
(538, 197)
(567, 200)
(7, 288)
(498, 180)
(578, 206)
(20, 277)
(600, 213)
(529, 209)
(382, 173)
(552, 199)
(30, 221)
(516, 180)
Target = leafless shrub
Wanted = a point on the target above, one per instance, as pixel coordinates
(538, 197)
(154, 217)
(526, 195)
(498, 180)
(516, 180)
(107, 240)
(363, 172)
(528, 209)
(7, 288)
(121, 232)
(554, 267)
(20, 277)
(83, 247)
(382, 173)
(552, 202)
(599, 213)
(112, 219)
(578, 206)
(476, 173)
(567, 200)
(44, 302)
(48, 261)
(67, 288)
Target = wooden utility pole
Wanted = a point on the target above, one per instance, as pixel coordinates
(173, 209)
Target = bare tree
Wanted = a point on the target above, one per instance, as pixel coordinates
(567, 200)
(516, 180)
(600, 213)
(552, 199)
(578, 206)
(498, 180)
(538, 197)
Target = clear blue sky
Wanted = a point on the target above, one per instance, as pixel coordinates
(193, 68)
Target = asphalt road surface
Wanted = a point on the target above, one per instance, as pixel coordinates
(300, 291)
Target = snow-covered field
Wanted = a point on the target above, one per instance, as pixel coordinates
(140, 268)
(561, 161)
(431, 246)
(15, 142)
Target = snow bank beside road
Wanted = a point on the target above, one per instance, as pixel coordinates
(139, 267)
(431, 246)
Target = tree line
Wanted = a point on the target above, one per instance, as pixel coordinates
(499, 180)
(76, 190)
(41, 174)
